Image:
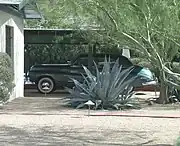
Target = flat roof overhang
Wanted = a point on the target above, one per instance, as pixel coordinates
(49, 36)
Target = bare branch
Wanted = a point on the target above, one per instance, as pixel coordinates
(170, 72)
(162, 34)
(108, 14)
(137, 42)
(172, 84)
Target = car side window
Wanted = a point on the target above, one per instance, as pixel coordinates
(122, 61)
(100, 60)
(82, 61)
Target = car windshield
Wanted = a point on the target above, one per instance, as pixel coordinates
(99, 59)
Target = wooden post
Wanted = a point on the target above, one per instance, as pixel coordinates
(90, 57)
(94, 49)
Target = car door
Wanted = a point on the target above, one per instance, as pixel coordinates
(77, 70)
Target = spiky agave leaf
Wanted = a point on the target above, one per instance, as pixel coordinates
(123, 75)
(98, 81)
(89, 74)
(81, 93)
(113, 81)
(105, 79)
(117, 78)
(112, 87)
(126, 95)
(86, 81)
(83, 87)
(77, 97)
(90, 83)
(126, 100)
(101, 80)
(121, 85)
(78, 94)
(81, 105)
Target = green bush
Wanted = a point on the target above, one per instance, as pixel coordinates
(6, 77)
(178, 142)
(109, 88)
(5, 60)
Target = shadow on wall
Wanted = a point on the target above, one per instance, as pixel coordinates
(75, 137)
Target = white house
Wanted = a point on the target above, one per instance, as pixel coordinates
(12, 15)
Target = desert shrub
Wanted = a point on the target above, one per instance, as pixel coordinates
(109, 88)
(6, 77)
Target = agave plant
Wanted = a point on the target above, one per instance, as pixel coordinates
(109, 88)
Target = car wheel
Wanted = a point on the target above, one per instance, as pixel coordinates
(45, 85)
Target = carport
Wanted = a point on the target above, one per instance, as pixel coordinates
(48, 36)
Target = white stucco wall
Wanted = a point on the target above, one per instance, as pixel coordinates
(17, 23)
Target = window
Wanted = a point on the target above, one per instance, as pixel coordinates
(83, 61)
(10, 41)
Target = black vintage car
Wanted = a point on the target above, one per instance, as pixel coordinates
(49, 77)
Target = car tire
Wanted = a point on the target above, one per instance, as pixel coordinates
(45, 85)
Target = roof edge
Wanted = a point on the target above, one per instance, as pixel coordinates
(23, 3)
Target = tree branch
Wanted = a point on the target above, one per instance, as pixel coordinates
(108, 14)
(137, 42)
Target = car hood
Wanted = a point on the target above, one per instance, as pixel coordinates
(146, 74)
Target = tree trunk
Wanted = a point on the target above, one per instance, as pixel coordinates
(163, 97)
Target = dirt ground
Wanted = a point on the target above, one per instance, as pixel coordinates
(44, 121)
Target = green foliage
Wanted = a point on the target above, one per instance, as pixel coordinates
(6, 77)
(59, 14)
(145, 26)
(177, 142)
(5, 60)
(136, 61)
(176, 67)
(110, 88)
(177, 94)
(141, 25)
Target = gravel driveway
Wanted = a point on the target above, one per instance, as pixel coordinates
(61, 130)
(45, 122)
